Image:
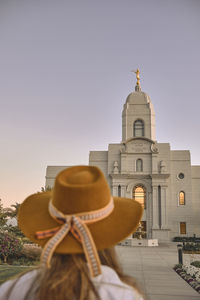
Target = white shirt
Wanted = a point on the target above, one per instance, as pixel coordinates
(108, 285)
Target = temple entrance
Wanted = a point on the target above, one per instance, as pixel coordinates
(139, 195)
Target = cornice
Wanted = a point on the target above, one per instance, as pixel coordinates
(139, 176)
(159, 176)
(138, 138)
(130, 176)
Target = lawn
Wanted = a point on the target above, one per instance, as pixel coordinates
(8, 271)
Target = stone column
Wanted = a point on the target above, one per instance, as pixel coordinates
(163, 207)
(149, 218)
(123, 164)
(155, 207)
(154, 164)
(115, 191)
(123, 191)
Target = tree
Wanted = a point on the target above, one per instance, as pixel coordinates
(46, 189)
(7, 215)
(3, 215)
(9, 246)
(13, 215)
(15, 210)
(15, 230)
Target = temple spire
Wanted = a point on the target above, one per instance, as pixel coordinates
(137, 87)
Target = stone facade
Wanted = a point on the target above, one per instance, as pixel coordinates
(139, 167)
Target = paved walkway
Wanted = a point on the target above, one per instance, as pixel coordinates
(152, 267)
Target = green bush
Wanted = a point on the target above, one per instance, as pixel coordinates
(178, 266)
(193, 239)
(24, 261)
(191, 246)
(31, 251)
(196, 263)
(28, 256)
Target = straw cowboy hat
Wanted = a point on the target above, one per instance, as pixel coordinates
(78, 214)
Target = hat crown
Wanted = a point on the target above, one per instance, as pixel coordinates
(81, 177)
(80, 189)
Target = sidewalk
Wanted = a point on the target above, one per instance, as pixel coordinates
(152, 267)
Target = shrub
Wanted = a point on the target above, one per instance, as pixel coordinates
(186, 239)
(191, 247)
(196, 263)
(178, 266)
(25, 261)
(31, 251)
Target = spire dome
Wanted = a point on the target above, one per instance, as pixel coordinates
(138, 111)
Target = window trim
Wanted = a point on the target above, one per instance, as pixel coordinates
(139, 159)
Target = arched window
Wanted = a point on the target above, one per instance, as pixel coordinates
(139, 165)
(139, 194)
(138, 128)
(182, 198)
(119, 190)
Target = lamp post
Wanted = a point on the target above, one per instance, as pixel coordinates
(180, 253)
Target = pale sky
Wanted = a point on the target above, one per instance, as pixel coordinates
(65, 75)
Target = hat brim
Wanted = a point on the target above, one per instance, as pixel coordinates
(34, 216)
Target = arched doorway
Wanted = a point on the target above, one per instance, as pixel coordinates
(139, 194)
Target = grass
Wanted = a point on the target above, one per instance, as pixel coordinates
(8, 271)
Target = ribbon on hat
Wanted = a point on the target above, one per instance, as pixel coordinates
(77, 225)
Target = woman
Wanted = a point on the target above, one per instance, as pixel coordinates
(77, 224)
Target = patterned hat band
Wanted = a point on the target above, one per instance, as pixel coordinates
(77, 225)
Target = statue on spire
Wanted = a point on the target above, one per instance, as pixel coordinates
(137, 87)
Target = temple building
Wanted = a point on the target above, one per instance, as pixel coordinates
(141, 168)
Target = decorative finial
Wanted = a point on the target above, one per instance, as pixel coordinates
(137, 87)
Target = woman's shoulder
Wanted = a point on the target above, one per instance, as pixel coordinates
(109, 286)
(18, 287)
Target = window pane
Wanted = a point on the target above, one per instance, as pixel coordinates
(181, 198)
(182, 227)
(139, 128)
(140, 195)
(139, 166)
(181, 175)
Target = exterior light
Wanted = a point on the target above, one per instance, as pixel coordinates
(180, 253)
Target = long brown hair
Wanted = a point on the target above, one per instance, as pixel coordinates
(68, 278)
